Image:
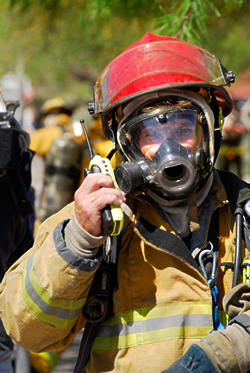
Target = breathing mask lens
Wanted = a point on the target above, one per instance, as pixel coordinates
(143, 137)
(165, 148)
(181, 127)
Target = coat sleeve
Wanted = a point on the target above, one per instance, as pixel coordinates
(42, 294)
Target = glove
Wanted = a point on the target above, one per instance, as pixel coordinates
(237, 300)
(195, 360)
(224, 351)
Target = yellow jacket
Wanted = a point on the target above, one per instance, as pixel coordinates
(162, 305)
(42, 139)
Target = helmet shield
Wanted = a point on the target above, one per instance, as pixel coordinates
(156, 65)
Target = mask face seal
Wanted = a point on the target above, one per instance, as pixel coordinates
(167, 149)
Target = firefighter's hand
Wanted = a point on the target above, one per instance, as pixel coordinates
(96, 192)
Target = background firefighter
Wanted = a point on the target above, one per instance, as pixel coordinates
(56, 148)
(60, 145)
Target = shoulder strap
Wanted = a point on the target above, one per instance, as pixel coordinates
(237, 190)
(100, 297)
(88, 337)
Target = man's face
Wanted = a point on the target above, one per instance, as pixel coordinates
(181, 127)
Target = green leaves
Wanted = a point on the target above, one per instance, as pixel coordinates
(56, 37)
(186, 19)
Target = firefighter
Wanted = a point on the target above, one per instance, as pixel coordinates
(61, 144)
(232, 151)
(56, 145)
(52, 120)
(162, 102)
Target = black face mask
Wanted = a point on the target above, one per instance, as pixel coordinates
(173, 170)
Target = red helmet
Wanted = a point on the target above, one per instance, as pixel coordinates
(158, 63)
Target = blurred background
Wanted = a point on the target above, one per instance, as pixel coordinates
(52, 52)
(58, 48)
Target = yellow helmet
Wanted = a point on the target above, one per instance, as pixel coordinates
(54, 106)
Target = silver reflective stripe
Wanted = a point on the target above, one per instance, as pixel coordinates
(154, 324)
(177, 320)
(56, 311)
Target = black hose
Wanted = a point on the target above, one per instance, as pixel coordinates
(237, 259)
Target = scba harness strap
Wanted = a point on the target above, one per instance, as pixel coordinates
(238, 192)
(99, 304)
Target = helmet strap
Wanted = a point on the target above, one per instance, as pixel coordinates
(217, 142)
(217, 125)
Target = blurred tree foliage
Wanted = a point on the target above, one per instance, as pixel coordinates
(64, 44)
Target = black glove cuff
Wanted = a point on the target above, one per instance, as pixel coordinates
(243, 320)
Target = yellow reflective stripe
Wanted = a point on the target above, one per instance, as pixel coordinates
(137, 339)
(55, 302)
(161, 310)
(223, 317)
(61, 313)
(44, 361)
(148, 325)
(51, 357)
(238, 150)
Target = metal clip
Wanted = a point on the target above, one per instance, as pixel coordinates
(107, 249)
(203, 254)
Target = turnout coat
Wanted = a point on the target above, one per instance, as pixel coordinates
(162, 303)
